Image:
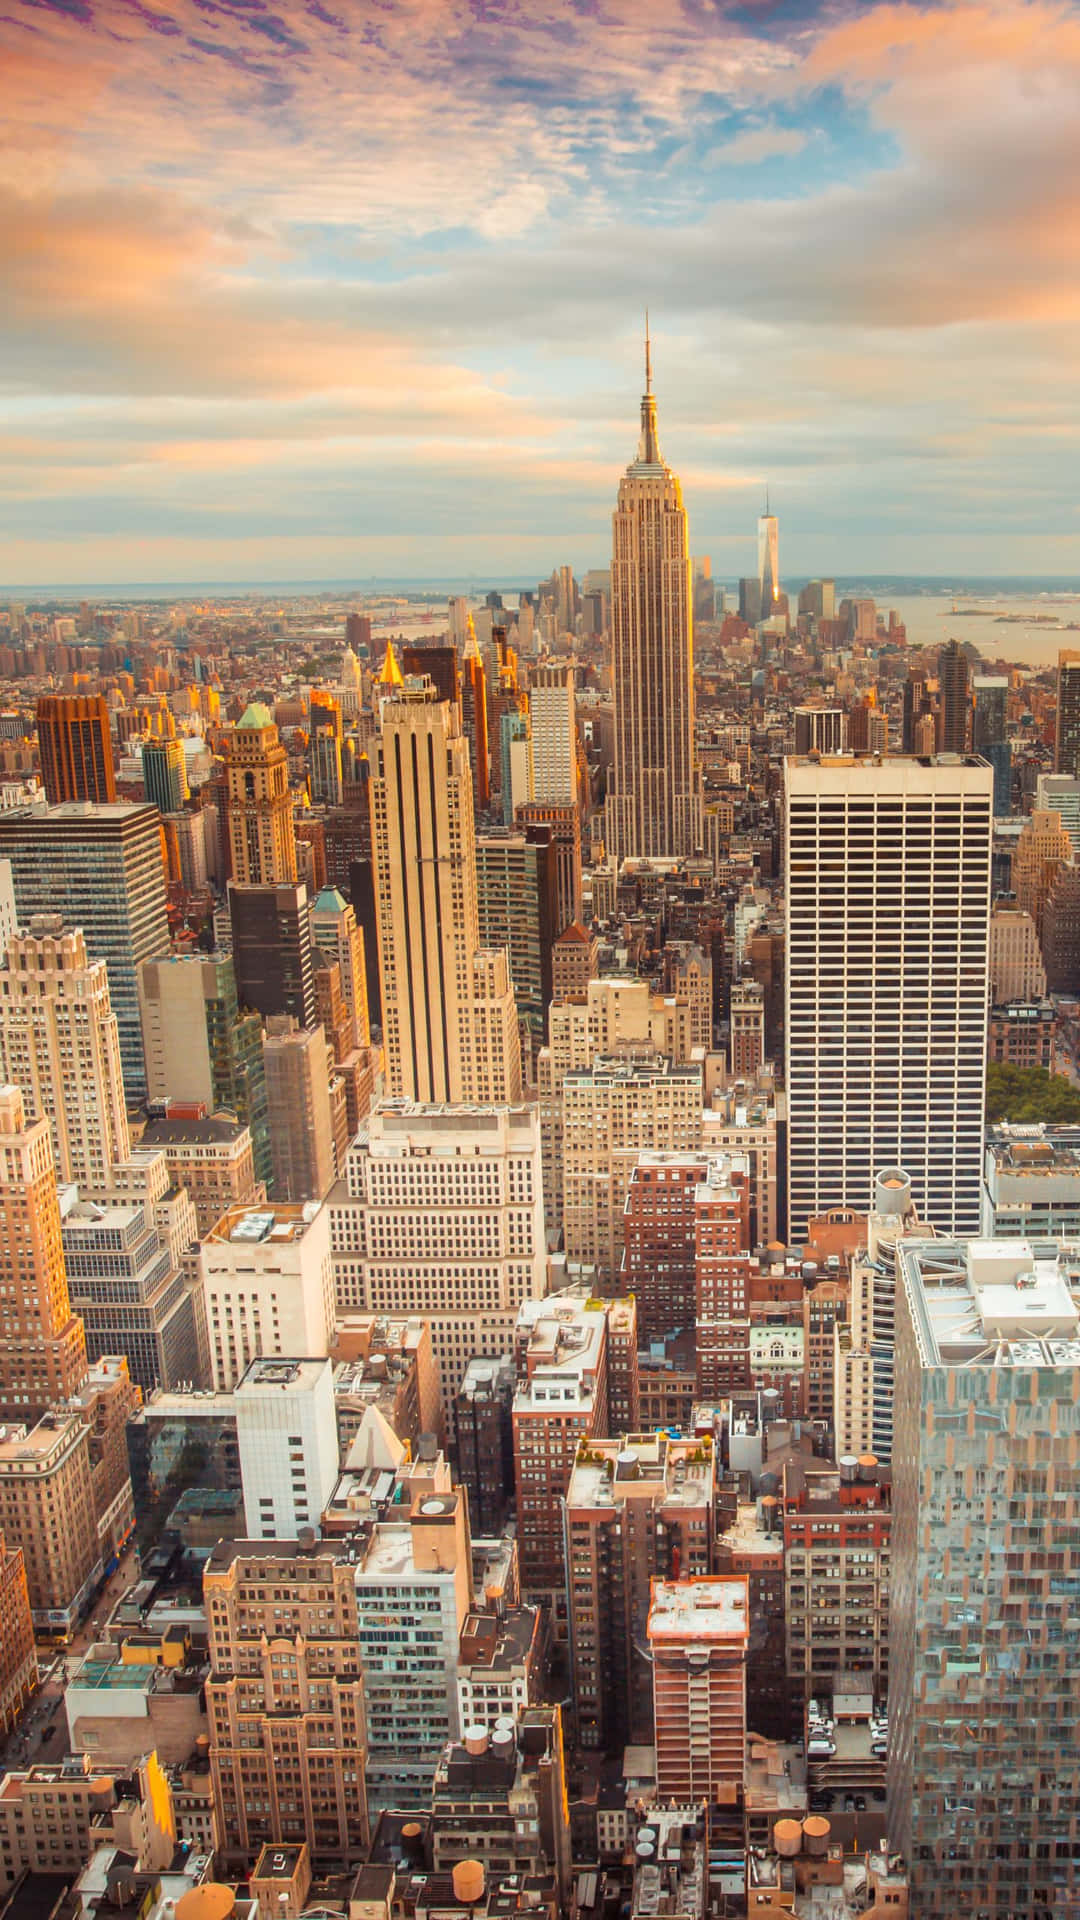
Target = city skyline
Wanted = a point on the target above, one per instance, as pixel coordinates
(223, 324)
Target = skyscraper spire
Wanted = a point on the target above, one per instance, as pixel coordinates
(648, 446)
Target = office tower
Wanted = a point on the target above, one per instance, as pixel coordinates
(474, 718)
(612, 1112)
(352, 1068)
(1042, 848)
(639, 1507)
(1061, 932)
(76, 747)
(485, 1441)
(722, 1279)
(296, 1061)
(164, 772)
(989, 715)
(516, 775)
(565, 824)
(517, 907)
(552, 709)
(18, 1660)
(60, 1044)
(1015, 962)
(449, 1021)
(358, 632)
(917, 703)
(47, 1505)
(746, 1011)
(440, 664)
(123, 1249)
(267, 1287)
(286, 1431)
(654, 804)
(768, 562)
(335, 931)
(820, 729)
(213, 1160)
(42, 1343)
(288, 1741)
(200, 1049)
(1067, 727)
(818, 599)
(99, 868)
(441, 1214)
(954, 671)
(262, 844)
(575, 960)
(697, 1636)
(750, 601)
(984, 1752)
(888, 916)
(561, 1355)
(271, 949)
(837, 1528)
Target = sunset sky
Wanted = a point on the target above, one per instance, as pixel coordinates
(310, 290)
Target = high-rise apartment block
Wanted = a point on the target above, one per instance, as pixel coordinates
(55, 1815)
(288, 1743)
(60, 1043)
(836, 1571)
(722, 1276)
(658, 1240)
(267, 1287)
(449, 1021)
(953, 676)
(612, 1112)
(75, 744)
(18, 1660)
(697, 1635)
(984, 1740)
(99, 868)
(42, 1343)
(888, 871)
(441, 1214)
(552, 711)
(654, 803)
(639, 1507)
(47, 1505)
(286, 1431)
(1067, 731)
(565, 824)
(561, 1352)
(262, 842)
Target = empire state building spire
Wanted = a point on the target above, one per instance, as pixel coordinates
(654, 803)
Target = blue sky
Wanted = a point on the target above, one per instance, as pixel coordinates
(312, 289)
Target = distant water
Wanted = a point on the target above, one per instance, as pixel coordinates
(1001, 626)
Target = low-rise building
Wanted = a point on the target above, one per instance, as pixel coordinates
(499, 1797)
(214, 1159)
(500, 1664)
(53, 1815)
(139, 1694)
(389, 1361)
(1031, 1183)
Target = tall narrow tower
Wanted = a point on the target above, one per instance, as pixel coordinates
(449, 1020)
(262, 841)
(768, 561)
(654, 808)
(42, 1343)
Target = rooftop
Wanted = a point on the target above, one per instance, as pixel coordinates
(272, 1223)
(640, 1466)
(283, 1375)
(704, 1608)
(219, 1127)
(991, 1303)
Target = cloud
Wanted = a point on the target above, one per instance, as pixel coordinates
(756, 144)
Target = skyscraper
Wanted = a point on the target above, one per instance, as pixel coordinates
(888, 870)
(271, 936)
(199, 1046)
(42, 1344)
(100, 867)
(449, 1020)
(984, 1722)
(297, 1066)
(164, 774)
(60, 1043)
(989, 713)
(953, 675)
(654, 807)
(262, 843)
(768, 562)
(75, 744)
(1067, 731)
(554, 735)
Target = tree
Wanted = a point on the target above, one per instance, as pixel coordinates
(1030, 1094)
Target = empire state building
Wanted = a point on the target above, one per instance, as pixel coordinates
(654, 807)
